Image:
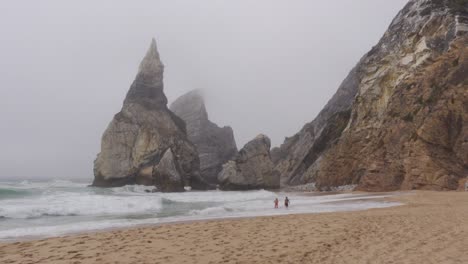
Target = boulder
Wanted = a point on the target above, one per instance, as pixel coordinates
(251, 168)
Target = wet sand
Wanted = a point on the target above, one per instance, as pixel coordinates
(432, 227)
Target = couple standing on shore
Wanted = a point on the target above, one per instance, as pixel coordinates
(286, 202)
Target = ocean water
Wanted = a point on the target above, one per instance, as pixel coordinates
(56, 207)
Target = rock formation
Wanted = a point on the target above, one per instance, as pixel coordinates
(215, 145)
(399, 120)
(251, 168)
(146, 143)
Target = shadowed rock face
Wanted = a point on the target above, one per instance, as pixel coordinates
(215, 145)
(166, 174)
(251, 168)
(399, 120)
(144, 134)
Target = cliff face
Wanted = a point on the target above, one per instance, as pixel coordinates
(300, 152)
(215, 145)
(251, 168)
(146, 143)
(399, 120)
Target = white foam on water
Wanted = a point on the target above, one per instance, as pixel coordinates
(69, 204)
(299, 205)
(60, 207)
(219, 196)
(58, 230)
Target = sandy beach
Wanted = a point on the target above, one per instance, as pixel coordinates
(432, 227)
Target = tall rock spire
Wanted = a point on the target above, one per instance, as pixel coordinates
(151, 65)
(148, 87)
(146, 143)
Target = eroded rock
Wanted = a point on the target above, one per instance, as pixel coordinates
(215, 145)
(251, 168)
(146, 143)
(399, 121)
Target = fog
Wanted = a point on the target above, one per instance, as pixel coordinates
(266, 66)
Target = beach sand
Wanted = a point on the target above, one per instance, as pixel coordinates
(432, 227)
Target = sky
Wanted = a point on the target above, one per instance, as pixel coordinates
(265, 66)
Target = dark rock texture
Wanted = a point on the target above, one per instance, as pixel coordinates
(166, 174)
(146, 143)
(399, 120)
(251, 168)
(215, 145)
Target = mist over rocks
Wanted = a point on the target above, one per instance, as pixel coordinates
(215, 145)
(399, 120)
(146, 143)
(251, 168)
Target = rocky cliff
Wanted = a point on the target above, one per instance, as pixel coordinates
(399, 120)
(215, 145)
(146, 143)
(251, 168)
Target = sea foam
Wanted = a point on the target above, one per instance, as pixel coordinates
(32, 209)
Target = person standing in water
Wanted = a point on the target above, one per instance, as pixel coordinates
(276, 203)
(286, 202)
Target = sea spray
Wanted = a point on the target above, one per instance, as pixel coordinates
(56, 207)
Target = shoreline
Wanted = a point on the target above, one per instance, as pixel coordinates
(359, 197)
(430, 227)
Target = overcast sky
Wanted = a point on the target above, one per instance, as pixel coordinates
(267, 66)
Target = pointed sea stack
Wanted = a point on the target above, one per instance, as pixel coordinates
(215, 145)
(146, 143)
(400, 119)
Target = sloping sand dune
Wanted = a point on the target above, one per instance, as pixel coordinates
(431, 228)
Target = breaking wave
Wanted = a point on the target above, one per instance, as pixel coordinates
(59, 207)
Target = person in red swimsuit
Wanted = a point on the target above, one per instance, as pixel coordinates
(276, 202)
